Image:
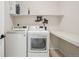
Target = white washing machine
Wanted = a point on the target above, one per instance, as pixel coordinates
(16, 43)
(38, 42)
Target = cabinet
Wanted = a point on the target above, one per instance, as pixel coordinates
(16, 44)
(23, 9)
(12, 7)
(44, 8)
(38, 8)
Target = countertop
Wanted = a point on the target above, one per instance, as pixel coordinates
(67, 36)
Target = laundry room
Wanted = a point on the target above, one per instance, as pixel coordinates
(40, 29)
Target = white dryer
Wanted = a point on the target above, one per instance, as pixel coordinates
(38, 42)
(16, 43)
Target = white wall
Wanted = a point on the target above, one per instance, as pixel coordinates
(70, 21)
(8, 21)
(1, 17)
(30, 20)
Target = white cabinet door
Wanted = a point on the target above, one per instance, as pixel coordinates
(16, 45)
(1, 28)
(12, 7)
(44, 8)
(61, 7)
(23, 8)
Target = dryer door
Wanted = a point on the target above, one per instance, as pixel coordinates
(38, 43)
